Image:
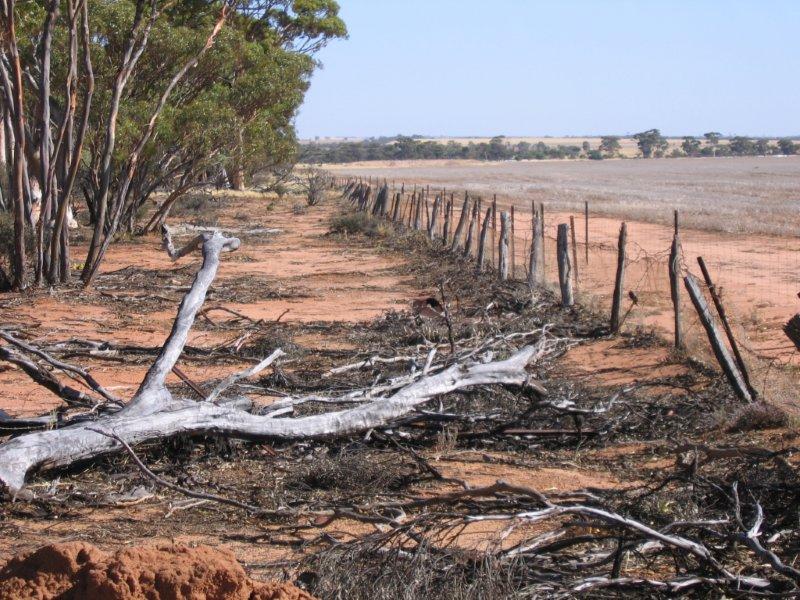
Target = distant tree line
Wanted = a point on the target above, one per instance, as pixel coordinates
(651, 144)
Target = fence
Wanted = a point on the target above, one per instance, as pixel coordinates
(759, 288)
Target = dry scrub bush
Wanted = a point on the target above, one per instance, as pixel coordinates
(385, 574)
(757, 416)
(358, 223)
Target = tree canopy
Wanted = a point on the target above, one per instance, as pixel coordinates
(138, 95)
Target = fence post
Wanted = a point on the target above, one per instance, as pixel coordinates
(398, 200)
(482, 243)
(586, 228)
(541, 216)
(418, 213)
(564, 267)
(447, 215)
(674, 284)
(471, 230)
(723, 316)
(462, 222)
(434, 217)
(574, 248)
(619, 282)
(714, 338)
(505, 226)
(536, 264)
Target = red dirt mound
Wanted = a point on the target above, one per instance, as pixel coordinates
(76, 570)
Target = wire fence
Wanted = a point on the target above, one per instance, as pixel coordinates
(757, 277)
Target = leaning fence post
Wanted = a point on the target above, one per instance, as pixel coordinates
(462, 222)
(619, 282)
(723, 316)
(715, 339)
(505, 226)
(482, 243)
(564, 267)
(674, 284)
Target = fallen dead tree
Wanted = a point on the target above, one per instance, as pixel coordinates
(153, 413)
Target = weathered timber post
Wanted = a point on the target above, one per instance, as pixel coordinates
(482, 242)
(586, 228)
(398, 200)
(505, 228)
(447, 214)
(535, 264)
(675, 286)
(574, 248)
(564, 267)
(418, 213)
(434, 218)
(715, 339)
(462, 223)
(513, 246)
(723, 317)
(619, 282)
(471, 230)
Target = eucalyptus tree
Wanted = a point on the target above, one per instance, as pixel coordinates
(118, 98)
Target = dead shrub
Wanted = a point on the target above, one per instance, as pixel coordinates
(757, 416)
(356, 471)
(362, 573)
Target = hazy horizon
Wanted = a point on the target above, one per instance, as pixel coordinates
(570, 69)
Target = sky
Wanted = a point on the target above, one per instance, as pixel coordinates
(558, 67)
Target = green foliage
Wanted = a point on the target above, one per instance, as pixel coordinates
(651, 143)
(411, 148)
(787, 146)
(609, 145)
(691, 146)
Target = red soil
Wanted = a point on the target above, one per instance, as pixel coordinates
(76, 570)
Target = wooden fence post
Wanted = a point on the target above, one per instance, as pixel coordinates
(398, 200)
(434, 218)
(482, 243)
(674, 285)
(715, 339)
(619, 282)
(448, 212)
(536, 262)
(471, 230)
(418, 213)
(462, 222)
(574, 248)
(564, 267)
(541, 216)
(723, 317)
(505, 226)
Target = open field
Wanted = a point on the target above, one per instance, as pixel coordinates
(754, 195)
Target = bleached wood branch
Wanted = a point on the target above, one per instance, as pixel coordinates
(154, 414)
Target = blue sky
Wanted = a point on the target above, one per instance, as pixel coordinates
(568, 67)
